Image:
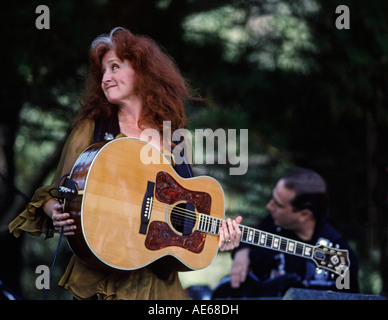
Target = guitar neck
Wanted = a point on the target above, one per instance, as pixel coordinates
(259, 238)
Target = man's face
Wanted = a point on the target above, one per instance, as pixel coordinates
(281, 208)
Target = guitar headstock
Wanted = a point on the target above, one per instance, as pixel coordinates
(333, 259)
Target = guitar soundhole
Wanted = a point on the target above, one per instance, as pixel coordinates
(183, 218)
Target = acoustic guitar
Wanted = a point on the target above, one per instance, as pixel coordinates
(131, 212)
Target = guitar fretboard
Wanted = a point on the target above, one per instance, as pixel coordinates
(259, 238)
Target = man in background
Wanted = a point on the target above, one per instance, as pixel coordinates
(298, 208)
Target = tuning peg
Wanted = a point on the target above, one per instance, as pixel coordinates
(337, 246)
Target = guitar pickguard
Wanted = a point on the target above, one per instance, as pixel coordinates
(160, 235)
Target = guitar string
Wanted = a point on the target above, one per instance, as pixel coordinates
(182, 213)
(161, 207)
(178, 214)
(256, 237)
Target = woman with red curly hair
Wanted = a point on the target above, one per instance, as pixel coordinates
(159, 86)
(132, 86)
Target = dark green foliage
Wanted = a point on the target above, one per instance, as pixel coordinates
(310, 95)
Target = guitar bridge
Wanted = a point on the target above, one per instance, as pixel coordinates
(146, 207)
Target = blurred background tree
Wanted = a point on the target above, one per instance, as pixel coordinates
(310, 94)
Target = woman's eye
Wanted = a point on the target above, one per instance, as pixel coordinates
(115, 66)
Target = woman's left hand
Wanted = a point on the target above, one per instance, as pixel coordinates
(230, 234)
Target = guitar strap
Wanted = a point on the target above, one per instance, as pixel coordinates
(108, 130)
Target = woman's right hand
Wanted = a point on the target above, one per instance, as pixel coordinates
(60, 219)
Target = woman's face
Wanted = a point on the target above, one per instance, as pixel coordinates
(118, 79)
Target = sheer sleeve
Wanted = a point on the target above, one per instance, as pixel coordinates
(32, 219)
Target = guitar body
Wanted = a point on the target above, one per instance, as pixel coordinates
(130, 213)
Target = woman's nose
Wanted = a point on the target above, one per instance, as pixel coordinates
(106, 78)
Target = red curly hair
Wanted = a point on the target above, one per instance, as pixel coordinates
(159, 82)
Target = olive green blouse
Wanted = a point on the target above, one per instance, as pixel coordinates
(83, 282)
